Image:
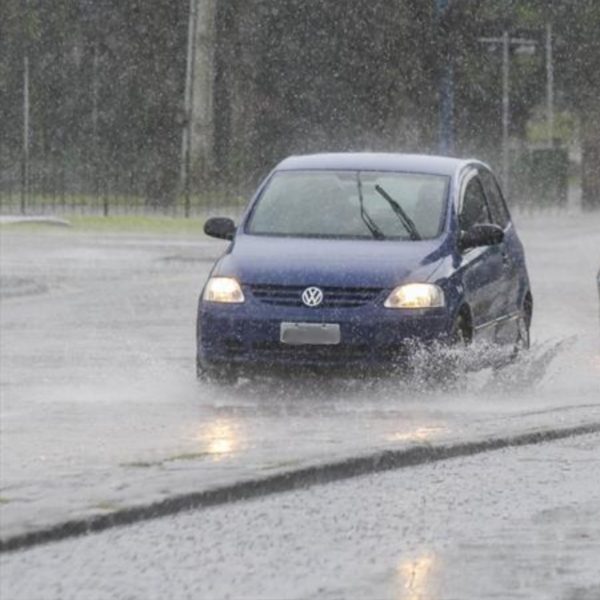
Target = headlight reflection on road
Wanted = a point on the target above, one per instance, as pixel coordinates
(420, 434)
(414, 578)
(219, 438)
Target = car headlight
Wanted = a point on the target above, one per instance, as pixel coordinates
(416, 295)
(223, 289)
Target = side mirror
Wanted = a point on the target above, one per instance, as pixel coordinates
(220, 227)
(480, 235)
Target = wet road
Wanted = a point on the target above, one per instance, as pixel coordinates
(512, 524)
(100, 408)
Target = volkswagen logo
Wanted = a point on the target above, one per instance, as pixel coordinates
(312, 296)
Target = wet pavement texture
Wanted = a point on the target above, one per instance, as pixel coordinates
(100, 408)
(513, 524)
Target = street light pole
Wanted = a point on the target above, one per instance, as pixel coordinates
(506, 41)
(186, 142)
(505, 109)
(26, 134)
(550, 83)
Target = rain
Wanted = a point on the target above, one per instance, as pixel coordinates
(461, 473)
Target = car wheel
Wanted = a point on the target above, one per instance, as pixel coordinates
(523, 337)
(460, 336)
(523, 341)
(459, 341)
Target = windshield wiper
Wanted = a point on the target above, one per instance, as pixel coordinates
(364, 215)
(404, 218)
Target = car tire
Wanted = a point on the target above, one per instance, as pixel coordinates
(460, 339)
(523, 341)
(460, 336)
(523, 337)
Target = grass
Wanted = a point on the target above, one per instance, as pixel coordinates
(118, 224)
(135, 223)
(126, 214)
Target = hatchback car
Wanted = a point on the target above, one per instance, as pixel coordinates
(345, 260)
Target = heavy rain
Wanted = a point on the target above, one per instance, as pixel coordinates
(454, 469)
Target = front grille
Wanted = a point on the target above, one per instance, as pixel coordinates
(333, 297)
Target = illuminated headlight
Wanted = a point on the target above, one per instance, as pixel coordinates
(416, 295)
(223, 289)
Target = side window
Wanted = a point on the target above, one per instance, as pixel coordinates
(474, 209)
(498, 208)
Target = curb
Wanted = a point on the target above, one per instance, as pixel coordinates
(385, 460)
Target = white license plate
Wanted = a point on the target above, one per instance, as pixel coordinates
(310, 333)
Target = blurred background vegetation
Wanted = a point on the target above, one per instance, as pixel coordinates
(107, 87)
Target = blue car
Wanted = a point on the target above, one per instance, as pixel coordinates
(344, 261)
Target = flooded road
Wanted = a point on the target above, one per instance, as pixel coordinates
(100, 408)
(514, 524)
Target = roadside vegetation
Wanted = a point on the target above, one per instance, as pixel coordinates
(107, 92)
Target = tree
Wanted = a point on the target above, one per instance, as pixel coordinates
(478, 74)
(577, 26)
(330, 75)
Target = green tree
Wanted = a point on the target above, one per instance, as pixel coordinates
(478, 75)
(577, 27)
(330, 75)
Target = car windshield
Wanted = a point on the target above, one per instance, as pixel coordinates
(347, 204)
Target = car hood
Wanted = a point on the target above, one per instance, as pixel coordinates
(329, 262)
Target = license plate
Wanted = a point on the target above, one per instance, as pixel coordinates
(310, 333)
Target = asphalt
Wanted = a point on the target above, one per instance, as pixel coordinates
(102, 418)
(517, 523)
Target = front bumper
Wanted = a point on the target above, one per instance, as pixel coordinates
(248, 335)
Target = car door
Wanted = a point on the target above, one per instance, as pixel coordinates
(511, 253)
(483, 273)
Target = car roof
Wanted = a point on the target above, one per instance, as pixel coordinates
(375, 161)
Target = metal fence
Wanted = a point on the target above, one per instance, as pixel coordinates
(94, 102)
(57, 188)
(54, 188)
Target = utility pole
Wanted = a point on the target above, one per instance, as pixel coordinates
(95, 145)
(95, 95)
(26, 126)
(25, 165)
(198, 138)
(506, 41)
(446, 92)
(550, 83)
(505, 110)
(186, 142)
